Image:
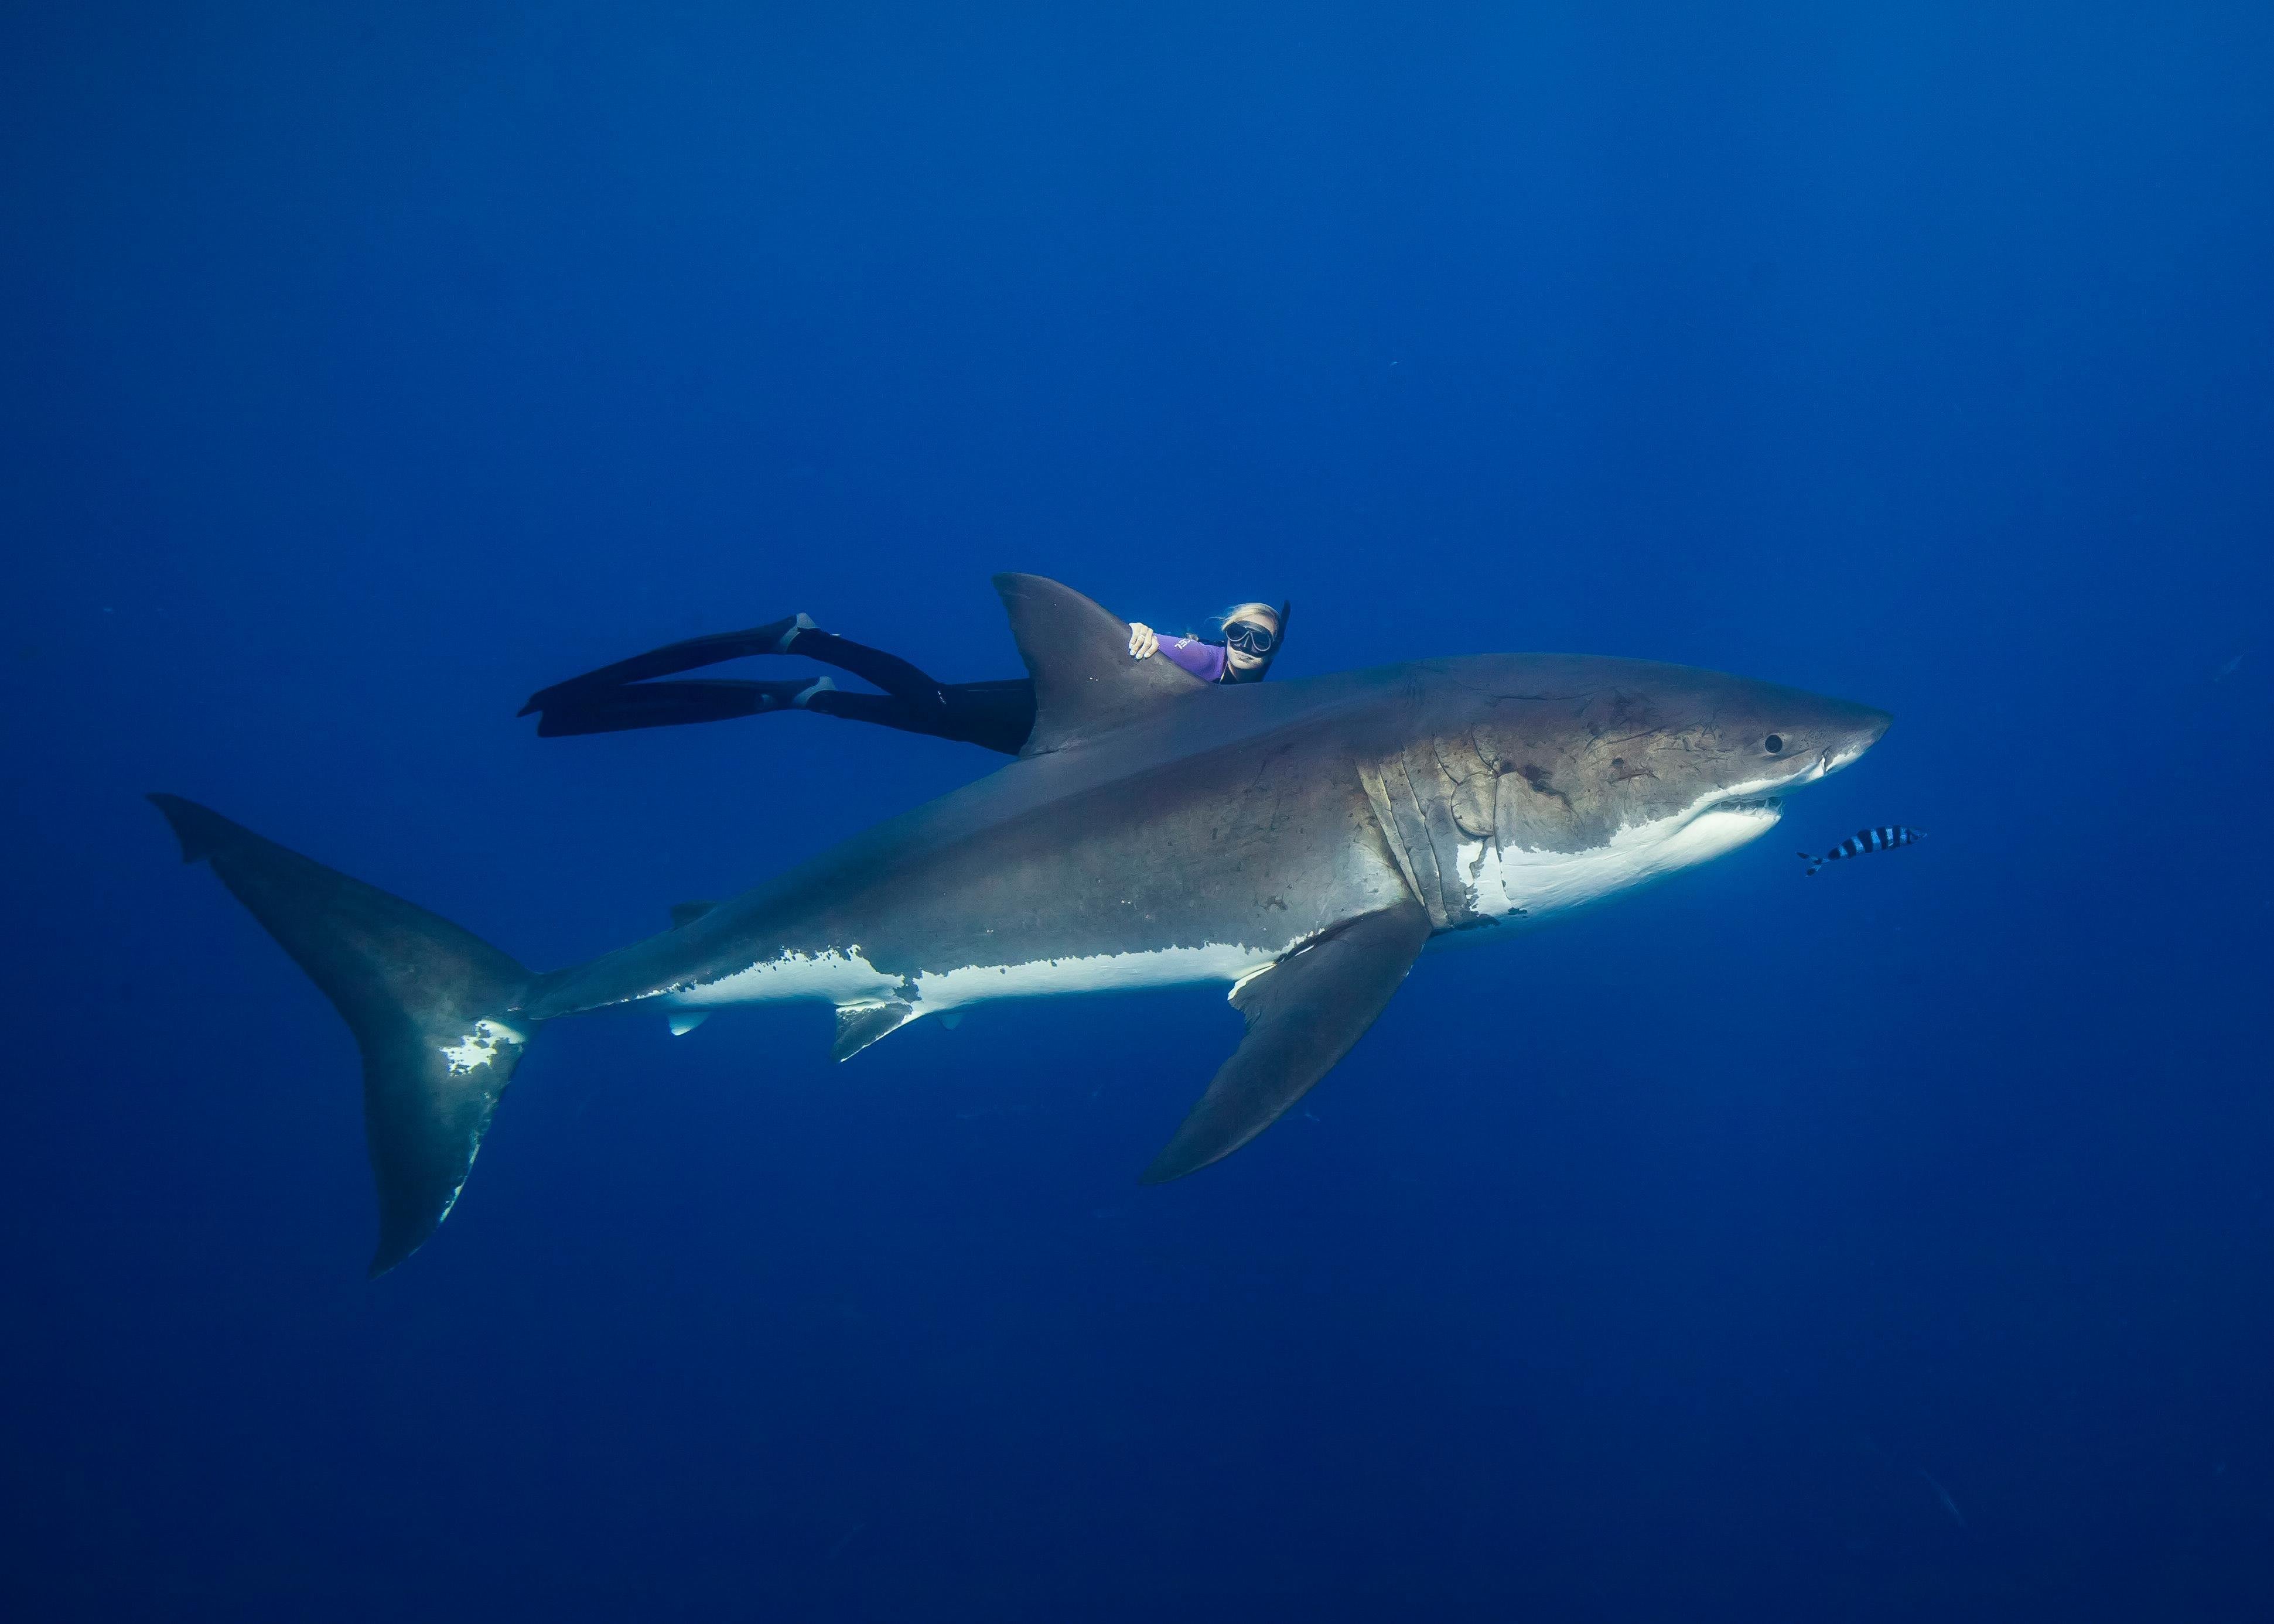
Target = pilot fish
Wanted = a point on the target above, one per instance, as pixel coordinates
(1884, 838)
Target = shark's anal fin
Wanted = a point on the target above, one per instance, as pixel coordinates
(688, 913)
(1303, 1015)
(860, 1024)
(1085, 684)
(686, 1021)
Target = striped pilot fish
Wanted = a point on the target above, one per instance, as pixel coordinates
(1884, 838)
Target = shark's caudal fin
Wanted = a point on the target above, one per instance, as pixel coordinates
(1078, 654)
(430, 1005)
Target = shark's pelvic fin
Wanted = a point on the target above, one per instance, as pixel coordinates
(1303, 1015)
(686, 1021)
(860, 1024)
(432, 1007)
(1078, 653)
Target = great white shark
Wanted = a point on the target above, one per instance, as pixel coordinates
(1303, 841)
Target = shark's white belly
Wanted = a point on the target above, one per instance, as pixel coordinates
(849, 978)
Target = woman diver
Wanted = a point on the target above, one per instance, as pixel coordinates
(997, 715)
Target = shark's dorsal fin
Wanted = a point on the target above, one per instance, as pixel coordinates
(1078, 653)
(688, 913)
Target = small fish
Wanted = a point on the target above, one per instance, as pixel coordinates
(1884, 838)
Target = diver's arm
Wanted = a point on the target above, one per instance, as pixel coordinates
(1204, 660)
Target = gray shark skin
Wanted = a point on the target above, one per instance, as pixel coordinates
(1302, 841)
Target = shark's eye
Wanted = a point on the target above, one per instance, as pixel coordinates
(1773, 743)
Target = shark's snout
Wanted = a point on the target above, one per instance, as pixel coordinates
(1860, 736)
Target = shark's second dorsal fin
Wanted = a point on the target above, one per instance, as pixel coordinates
(688, 913)
(1078, 653)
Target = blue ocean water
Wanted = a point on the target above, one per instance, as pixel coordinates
(1889, 1245)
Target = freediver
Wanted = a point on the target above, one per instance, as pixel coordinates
(997, 715)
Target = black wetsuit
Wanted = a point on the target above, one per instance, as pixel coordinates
(996, 715)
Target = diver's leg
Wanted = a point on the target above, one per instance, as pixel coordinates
(889, 672)
(795, 635)
(996, 715)
(825, 698)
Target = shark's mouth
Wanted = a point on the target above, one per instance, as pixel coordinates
(1768, 801)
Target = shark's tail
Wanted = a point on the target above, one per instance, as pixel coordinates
(432, 1008)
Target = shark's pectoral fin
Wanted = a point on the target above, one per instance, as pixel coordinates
(860, 1024)
(1303, 1015)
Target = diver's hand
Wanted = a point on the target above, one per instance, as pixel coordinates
(1142, 643)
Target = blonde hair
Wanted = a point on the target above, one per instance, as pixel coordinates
(1250, 611)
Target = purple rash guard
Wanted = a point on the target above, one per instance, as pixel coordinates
(1204, 660)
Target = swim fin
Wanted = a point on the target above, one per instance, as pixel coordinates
(661, 704)
(691, 655)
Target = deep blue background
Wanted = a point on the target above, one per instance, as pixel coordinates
(362, 369)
